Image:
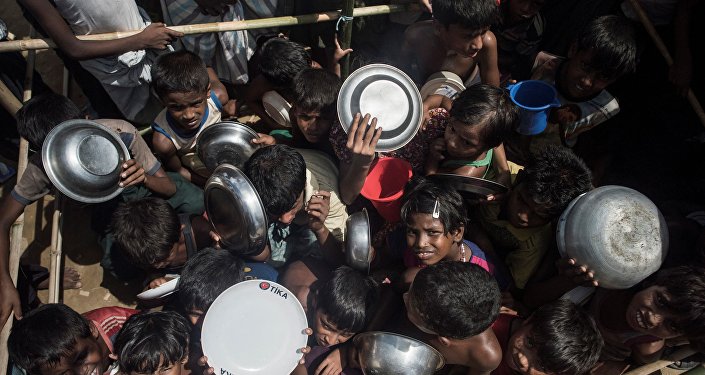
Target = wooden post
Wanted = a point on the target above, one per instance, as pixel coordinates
(55, 250)
(347, 25)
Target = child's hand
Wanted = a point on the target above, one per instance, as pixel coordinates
(579, 274)
(158, 281)
(305, 350)
(332, 365)
(317, 209)
(264, 140)
(230, 109)
(203, 363)
(426, 5)
(437, 149)
(339, 53)
(157, 36)
(216, 239)
(362, 140)
(132, 174)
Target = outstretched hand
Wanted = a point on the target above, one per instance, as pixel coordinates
(363, 138)
(132, 173)
(158, 36)
(579, 274)
(9, 301)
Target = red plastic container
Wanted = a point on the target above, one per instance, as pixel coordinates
(384, 186)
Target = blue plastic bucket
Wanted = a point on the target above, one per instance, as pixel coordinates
(535, 99)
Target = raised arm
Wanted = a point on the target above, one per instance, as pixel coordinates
(487, 60)
(362, 141)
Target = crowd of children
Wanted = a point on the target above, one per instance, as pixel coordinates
(481, 280)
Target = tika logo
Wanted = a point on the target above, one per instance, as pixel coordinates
(225, 372)
(267, 286)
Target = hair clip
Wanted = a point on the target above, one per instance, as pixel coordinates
(436, 211)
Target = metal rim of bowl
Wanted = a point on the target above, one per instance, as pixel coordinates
(441, 363)
(366, 218)
(57, 180)
(237, 126)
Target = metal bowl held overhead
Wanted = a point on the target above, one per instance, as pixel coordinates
(617, 232)
(383, 353)
(235, 211)
(358, 241)
(387, 93)
(83, 159)
(471, 187)
(226, 142)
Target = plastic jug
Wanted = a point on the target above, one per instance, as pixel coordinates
(535, 99)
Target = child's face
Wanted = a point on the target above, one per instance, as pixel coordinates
(186, 108)
(522, 211)
(463, 141)
(521, 354)
(428, 239)
(520, 10)
(463, 41)
(88, 357)
(648, 313)
(288, 217)
(579, 81)
(313, 125)
(326, 332)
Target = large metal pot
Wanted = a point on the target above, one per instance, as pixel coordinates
(383, 353)
(617, 232)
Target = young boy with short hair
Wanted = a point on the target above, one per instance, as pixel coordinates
(455, 303)
(194, 99)
(558, 338)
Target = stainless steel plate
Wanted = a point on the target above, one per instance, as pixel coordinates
(387, 93)
(226, 142)
(235, 211)
(358, 241)
(83, 160)
(469, 185)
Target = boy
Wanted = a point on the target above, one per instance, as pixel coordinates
(194, 99)
(141, 176)
(457, 40)
(520, 228)
(299, 193)
(519, 33)
(558, 338)
(454, 304)
(54, 339)
(152, 343)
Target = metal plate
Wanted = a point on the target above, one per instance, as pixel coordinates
(277, 108)
(235, 211)
(469, 185)
(387, 93)
(358, 241)
(226, 142)
(83, 159)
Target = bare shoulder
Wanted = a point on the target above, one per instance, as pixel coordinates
(486, 354)
(419, 32)
(489, 40)
(162, 145)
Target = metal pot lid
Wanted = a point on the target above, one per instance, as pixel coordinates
(226, 142)
(387, 93)
(617, 232)
(235, 211)
(358, 241)
(277, 108)
(469, 186)
(83, 159)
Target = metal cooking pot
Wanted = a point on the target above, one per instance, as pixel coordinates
(617, 232)
(358, 241)
(383, 353)
(235, 211)
(226, 142)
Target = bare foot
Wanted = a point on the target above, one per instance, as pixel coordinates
(72, 280)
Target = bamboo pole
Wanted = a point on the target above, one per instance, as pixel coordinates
(55, 250)
(647, 369)
(644, 18)
(216, 27)
(347, 16)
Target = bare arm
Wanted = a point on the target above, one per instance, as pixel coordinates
(253, 97)
(166, 152)
(9, 299)
(155, 36)
(361, 143)
(487, 59)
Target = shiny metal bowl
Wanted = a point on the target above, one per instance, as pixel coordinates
(358, 241)
(617, 232)
(383, 353)
(83, 159)
(235, 211)
(226, 142)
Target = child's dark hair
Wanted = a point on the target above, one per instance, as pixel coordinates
(348, 299)
(39, 115)
(152, 340)
(421, 195)
(554, 177)
(455, 300)
(686, 287)
(612, 40)
(565, 337)
(180, 71)
(281, 60)
(469, 14)
(206, 275)
(489, 107)
(316, 90)
(45, 335)
(146, 230)
(278, 173)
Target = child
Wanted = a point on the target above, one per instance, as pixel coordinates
(454, 305)
(520, 229)
(299, 193)
(558, 338)
(152, 343)
(457, 40)
(54, 339)
(518, 34)
(194, 99)
(635, 323)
